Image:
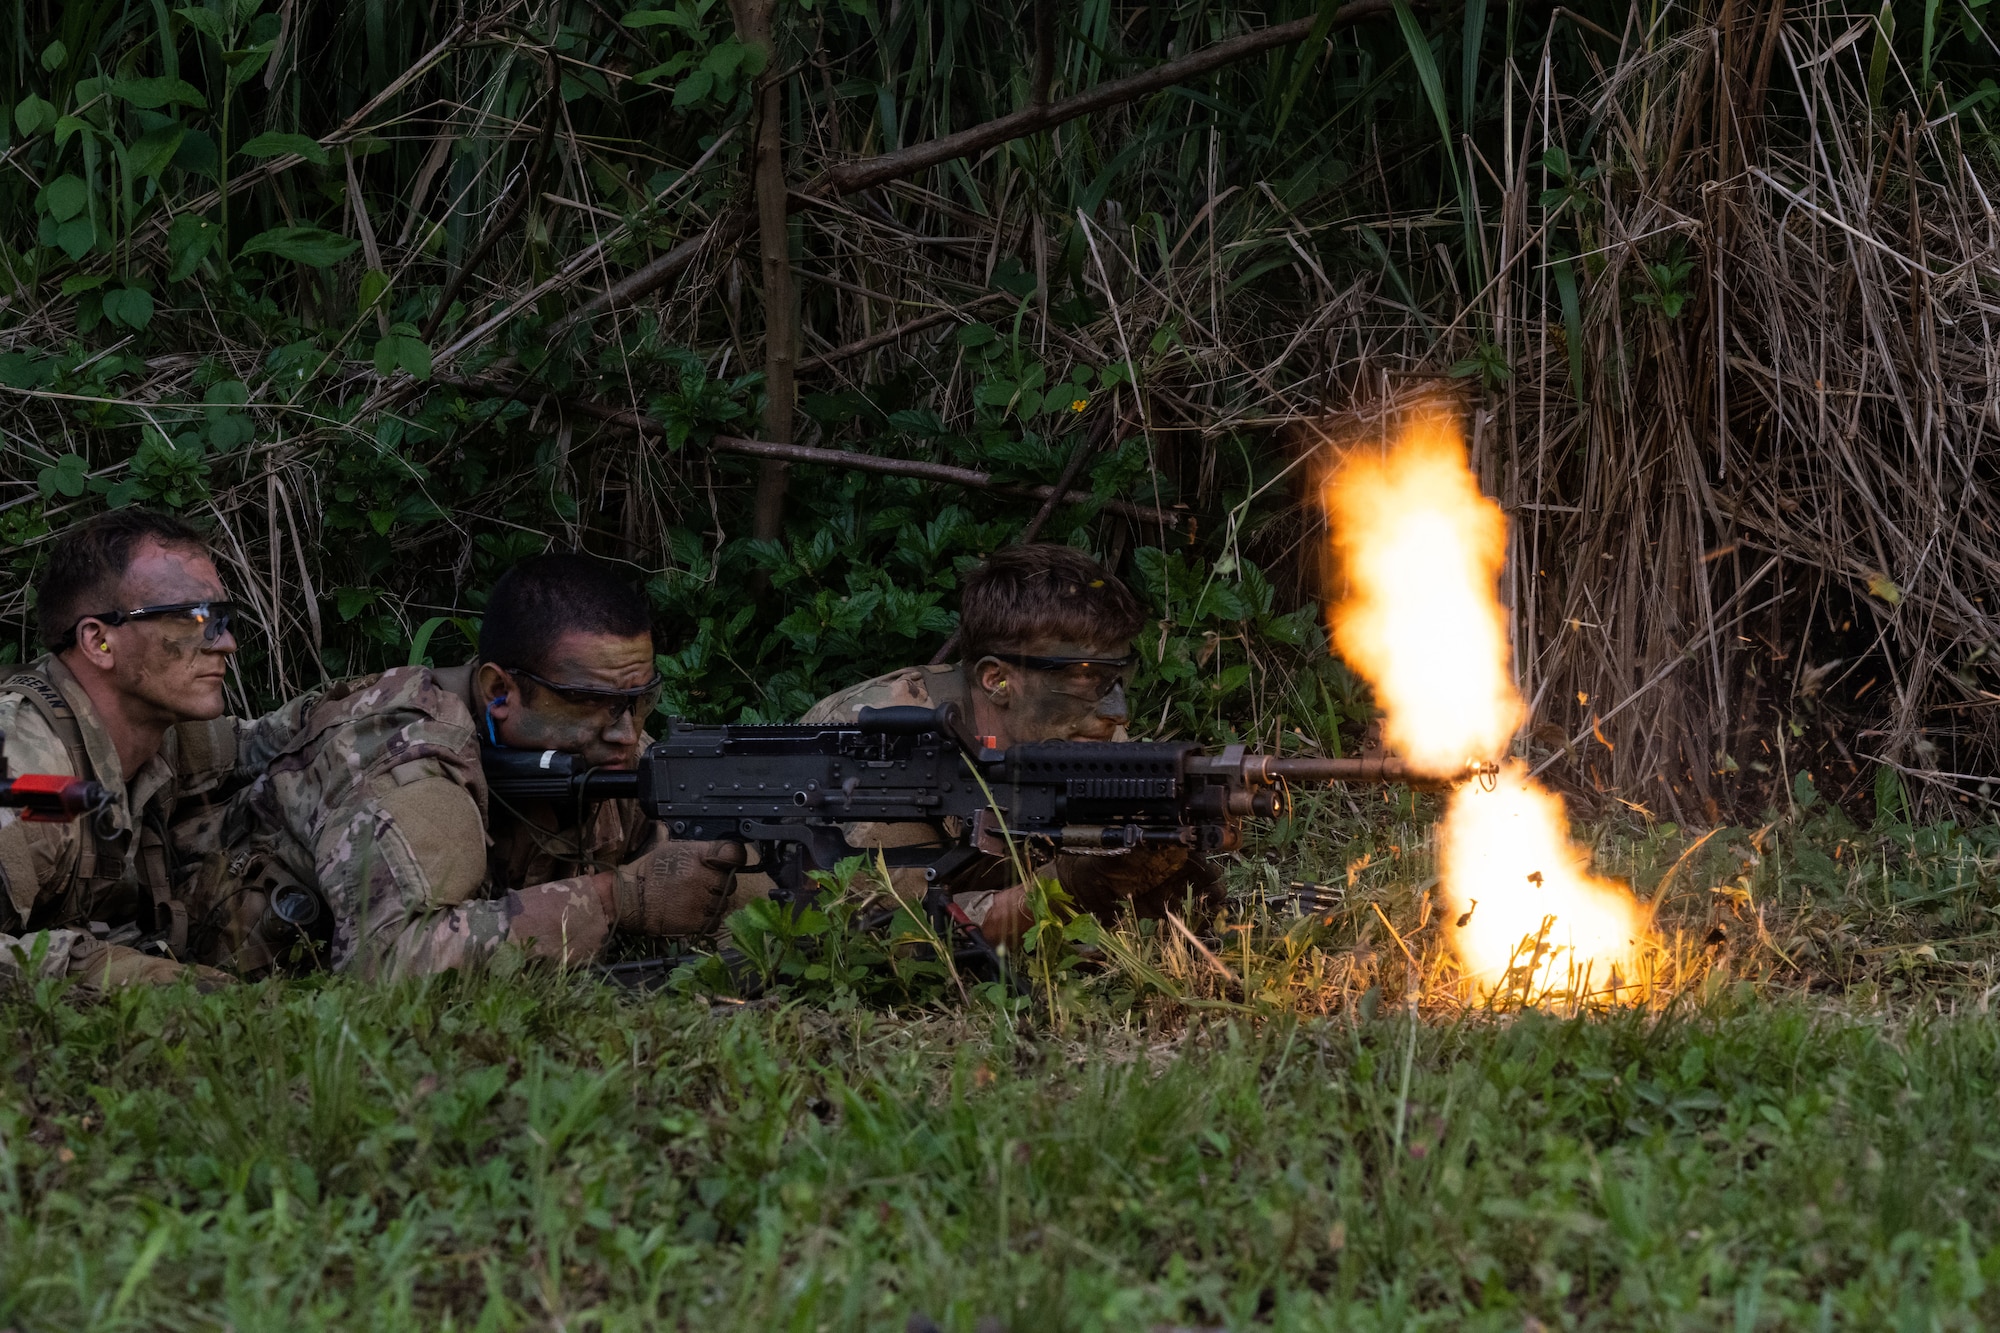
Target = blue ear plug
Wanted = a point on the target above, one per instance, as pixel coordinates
(491, 735)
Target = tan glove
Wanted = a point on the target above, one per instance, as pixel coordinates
(675, 888)
(103, 967)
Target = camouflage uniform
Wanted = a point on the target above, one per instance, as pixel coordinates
(80, 892)
(1151, 881)
(379, 801)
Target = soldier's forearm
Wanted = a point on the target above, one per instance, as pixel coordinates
(561, 922)
(1008, 917)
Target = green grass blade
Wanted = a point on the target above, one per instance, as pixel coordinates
(1427, 75)
(1308, 58)
(1475, 34)
(1572, 320)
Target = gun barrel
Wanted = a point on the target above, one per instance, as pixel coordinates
(1377, 768)
(1267, 769)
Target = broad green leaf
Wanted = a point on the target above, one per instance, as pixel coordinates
(189, 240)
(229, 431)
(373, 283)
(227, 428)
(693, 89)
(653, 18)
(154, 152)
(66, 477)
(77, 236)
(84, 282)
(54, 56)
(725, 60)
(22, 370)
(204, 20)
(32, 115)
(129, 307)
(198, 154)
(65, 197)
(403, 351)
(274, 144)
(225, 394)
(154, 93)
(304, 245)
(70, 126)
(243, 65)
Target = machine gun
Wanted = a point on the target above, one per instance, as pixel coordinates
(792, 790)
(48, 798)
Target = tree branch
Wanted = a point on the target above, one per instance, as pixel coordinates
(849, 177)
(771, 450)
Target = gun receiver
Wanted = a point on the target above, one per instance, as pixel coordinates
(48, 798)
(797, 786)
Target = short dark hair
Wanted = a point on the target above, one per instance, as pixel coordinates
(88, 562)
(1042, 591)
(547, 596)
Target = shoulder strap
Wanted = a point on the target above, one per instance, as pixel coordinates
(46, 699)
(16, 862)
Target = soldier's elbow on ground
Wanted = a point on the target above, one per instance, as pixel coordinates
(440, 821)
(562, 922)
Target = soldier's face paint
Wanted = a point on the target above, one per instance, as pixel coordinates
(531, 717)
(1014, 702)
(165, 669)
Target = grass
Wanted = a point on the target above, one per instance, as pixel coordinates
(1782, 1144)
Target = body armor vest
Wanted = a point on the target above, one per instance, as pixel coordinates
(111, 861)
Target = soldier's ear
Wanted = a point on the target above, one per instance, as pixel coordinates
(93, 643)
(491, 685)
(991, 677)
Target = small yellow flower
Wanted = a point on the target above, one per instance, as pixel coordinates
(1079, 404)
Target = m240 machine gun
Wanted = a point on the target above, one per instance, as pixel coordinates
(793, 790)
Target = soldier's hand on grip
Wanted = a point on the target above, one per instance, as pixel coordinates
(1098, 882)
(676, 888)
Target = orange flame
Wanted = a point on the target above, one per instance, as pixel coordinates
(1421, 550)
(1530, 906)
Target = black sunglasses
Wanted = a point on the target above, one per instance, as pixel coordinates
(214, 617)
(1058, 663)
(640, 699)
(1089, 678)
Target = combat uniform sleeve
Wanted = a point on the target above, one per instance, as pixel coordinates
(37, 861)
(560, 922)
(260, 739)
(401, 853)
(910, 686)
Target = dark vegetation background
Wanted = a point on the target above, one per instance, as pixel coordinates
(375, 290)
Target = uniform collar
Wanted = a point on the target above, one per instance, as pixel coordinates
(126, 797)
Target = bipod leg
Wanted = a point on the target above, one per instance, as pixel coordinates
(971, 951)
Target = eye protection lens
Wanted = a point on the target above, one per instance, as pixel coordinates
(1088, 678)
(612, 705)
(214, 617)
